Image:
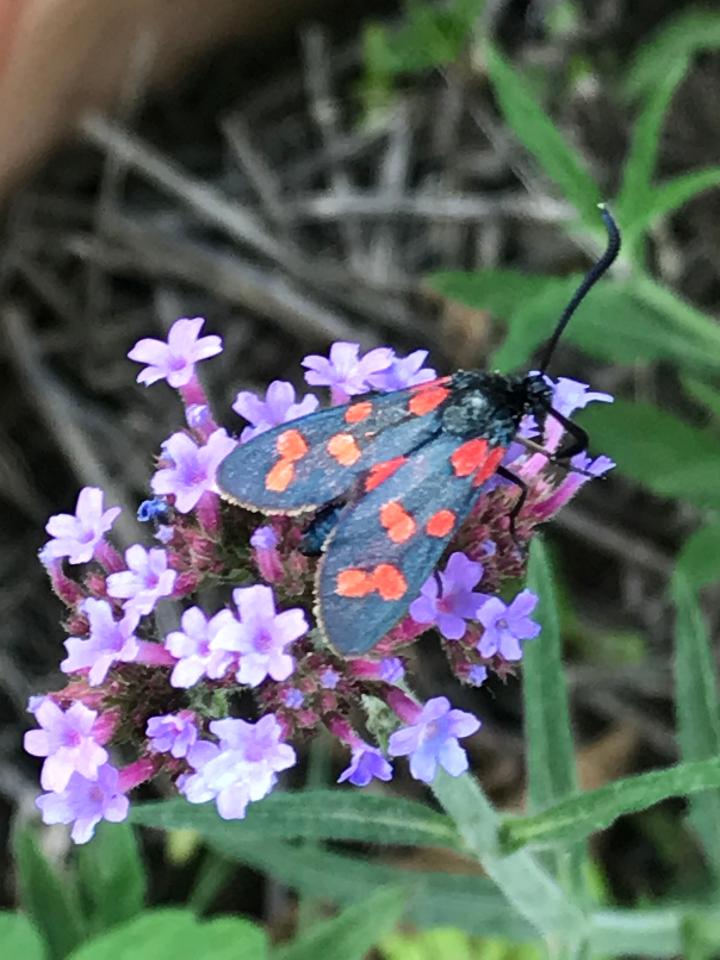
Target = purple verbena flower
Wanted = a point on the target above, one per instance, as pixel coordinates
(262, 636)
(477, 675)
(448, 608)
(147, 579)
(433, 739)
(366, 763)
(76, 536)
(264, 541)
(192, 645)
(110, 640)
(66, 741)
(173, 733)
(329, 678)
(346, 373)
(241, 768)
(84, 803)
(293, 698)
(191, 472)
(279, 406)
(505, 625)
(152, 510)
(175, 360)
(571, 395)
(403, 372)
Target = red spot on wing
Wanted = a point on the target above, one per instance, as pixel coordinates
(488, 468)
(357, 412)
(441, 523)
(397, 521)
(380, 472)
(384, 579)
(428, 398)
(389, 581)
(291, 445)
(280, 476)
(353, 582)
(344, 449)
(468, 457)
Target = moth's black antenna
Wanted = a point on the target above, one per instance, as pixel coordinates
(591, 278)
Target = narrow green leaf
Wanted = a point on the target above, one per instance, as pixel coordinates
(462, 900)
(579, 816)
(112, 879)
(552, 773)
(178, 935)
(534, 128)
(19, 938)
(313, 814)
(353, 933)
(677, 39)
(519, 877)
(703, 394)
(639, 168)
(699, 560)
(669, 457)
(684, 316)
(698, 708)
(665, 198)
(48, 899)
(499, 291)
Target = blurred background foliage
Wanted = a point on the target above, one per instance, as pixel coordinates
(422, 175)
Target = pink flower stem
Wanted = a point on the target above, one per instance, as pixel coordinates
(136, 773)
(154, 654)
(108, 557)
(401, 704)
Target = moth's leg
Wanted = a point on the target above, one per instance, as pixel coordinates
(507, 475)
(580, 441)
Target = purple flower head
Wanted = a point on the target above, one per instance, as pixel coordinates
(264, 538)
(433, 739)
(293, 698)
(67, 742)
(192, 645)
(146, 580)
(346, 373)
(403, 372)
(366, 763)
(262, 635)
(175, 360)
(243, 767)
(278, 407)
(392, 669)
(76, 536)
(571, 395)
(192, 469)
(505, 625)
(110, 640)
(477, 675)
(84, 803)
(264, 541)
(173, 733)
(448, 608)
(329, 679)
(153, 510)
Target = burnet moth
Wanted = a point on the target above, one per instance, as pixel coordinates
(390, 478)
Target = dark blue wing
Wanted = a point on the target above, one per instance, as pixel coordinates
(302, 465)
(386, 545)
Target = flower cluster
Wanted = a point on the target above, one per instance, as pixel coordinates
(172, 697)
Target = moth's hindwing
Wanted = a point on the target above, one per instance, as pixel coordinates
(386, 545)
(302, 465)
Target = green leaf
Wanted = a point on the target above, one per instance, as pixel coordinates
(353, 933)
(703, 394)
(552, 773)
(665, 198)
(677, 39)
(19, 938)
(313, 814)
(669, 457)
(698, 708)
(639, 168)
(578, 817)
(534, 128)
(462, 900)
(499, 291)
(683, 316)
(48, 899)
(699, 560)
(178, 935)
(112, 879)
(520, 878)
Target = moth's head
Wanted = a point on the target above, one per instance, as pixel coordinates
(537, 398)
